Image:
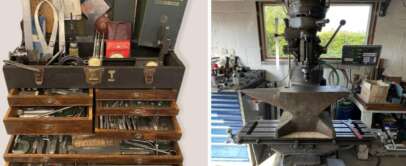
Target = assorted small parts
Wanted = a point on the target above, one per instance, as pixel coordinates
(98, 50)
(69, 164)
(51, 92)
(135, 123)
(38, 112)
(135, 104)
(41, 144)
(229, 73)
(19, 55)
(65, 144)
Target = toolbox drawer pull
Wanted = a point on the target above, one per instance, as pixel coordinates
(51, 101)
(138, 111)
(39, 77)
(139, 161)
(149, 74)
(138, 136)
(136, 94)
(93, 75)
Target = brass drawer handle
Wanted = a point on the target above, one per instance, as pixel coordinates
(138, 136)
(51, 101)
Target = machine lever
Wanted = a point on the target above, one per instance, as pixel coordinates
(342, 23)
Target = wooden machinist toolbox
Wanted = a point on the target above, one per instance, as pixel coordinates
(73, 105)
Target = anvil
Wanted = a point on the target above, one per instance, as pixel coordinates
(304, 115)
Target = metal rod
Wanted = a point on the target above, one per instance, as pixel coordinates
(342, 23)
(22, 66)
(56, 111)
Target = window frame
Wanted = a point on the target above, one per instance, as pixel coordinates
(262, 29)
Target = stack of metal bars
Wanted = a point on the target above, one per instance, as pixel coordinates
(226, 114)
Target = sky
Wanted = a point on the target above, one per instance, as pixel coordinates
(356, 16)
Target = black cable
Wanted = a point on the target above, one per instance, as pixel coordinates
(404, 3)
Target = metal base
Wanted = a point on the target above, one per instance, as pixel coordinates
(277, 159)
(303, 106)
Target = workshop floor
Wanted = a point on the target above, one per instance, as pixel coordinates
(350, 157)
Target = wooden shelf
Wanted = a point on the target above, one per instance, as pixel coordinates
(383, 106)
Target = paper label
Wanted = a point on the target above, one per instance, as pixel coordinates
(169, 2)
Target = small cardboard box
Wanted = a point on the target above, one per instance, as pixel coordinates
(374, 91)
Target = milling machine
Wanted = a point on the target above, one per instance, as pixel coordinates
(305, 133)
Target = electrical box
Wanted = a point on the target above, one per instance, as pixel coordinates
(361, 54)
(153, 16)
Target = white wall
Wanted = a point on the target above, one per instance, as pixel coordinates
(234, 26)
(391, 33)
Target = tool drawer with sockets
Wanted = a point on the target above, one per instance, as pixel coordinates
(92, 150)
(142, 114)
(49, 111)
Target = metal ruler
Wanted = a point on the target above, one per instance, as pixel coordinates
(27, 24)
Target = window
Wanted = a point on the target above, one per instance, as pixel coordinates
(355, 32)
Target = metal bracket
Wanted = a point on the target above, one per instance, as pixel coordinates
(111, 75)
(384, 7)
(38, 72)
(93, 75)
(149, 74)
(39, 77)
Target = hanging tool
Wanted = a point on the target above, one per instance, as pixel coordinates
(59, 5)
(27, 25)
(48, 49)
(144, 145)
(98, 52)
(73, 45)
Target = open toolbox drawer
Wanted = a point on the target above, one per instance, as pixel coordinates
(81, 164)
(129, 107)
(136, 102)
(144, 129)
(17, 97)
(93, 157)
(156, 95)
(48, 125)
